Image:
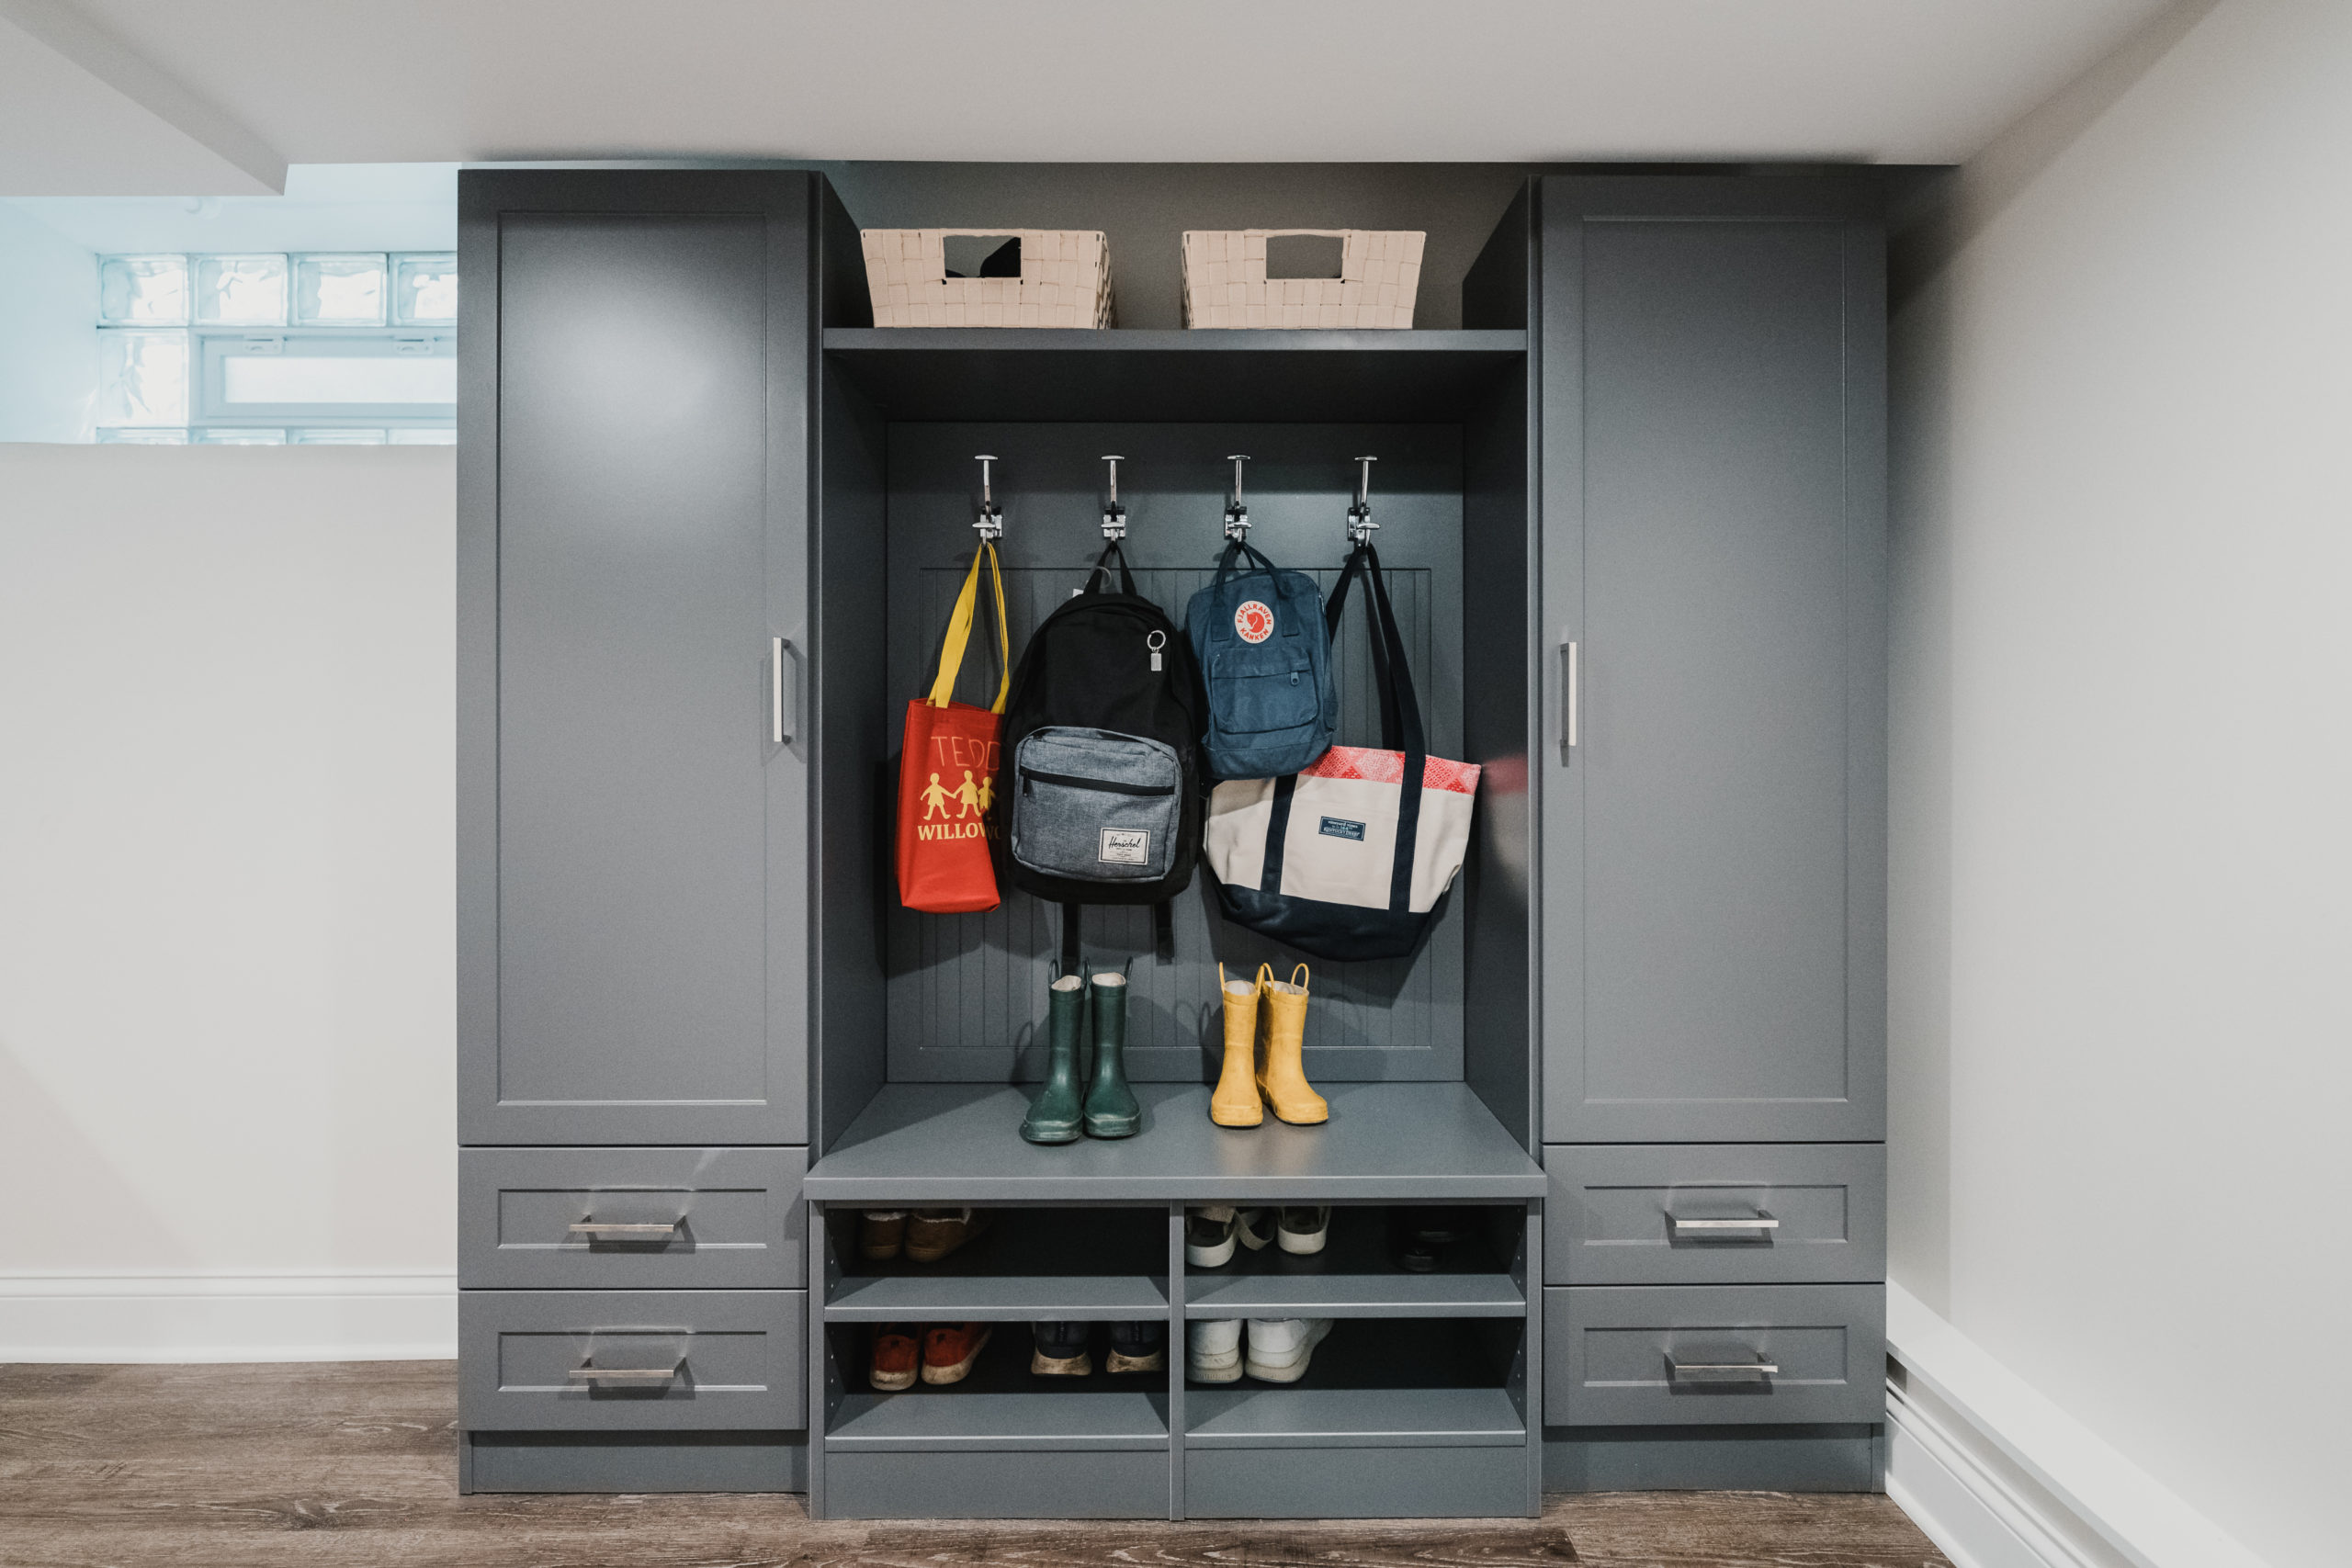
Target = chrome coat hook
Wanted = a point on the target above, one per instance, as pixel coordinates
(1114, 516)
(990, 524)
(1360, 523)
(1237, 515)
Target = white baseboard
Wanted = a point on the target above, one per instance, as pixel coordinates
(1999, 1477)
(208, 1316)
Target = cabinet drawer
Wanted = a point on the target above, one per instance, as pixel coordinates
(1714, 1213)
(1676, 1355)
(705, 1360)
(695, 1218)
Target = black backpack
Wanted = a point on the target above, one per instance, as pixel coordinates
(1106, 678)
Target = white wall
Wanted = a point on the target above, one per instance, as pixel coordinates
(48, 349)
(226, 995)
(2122, 931)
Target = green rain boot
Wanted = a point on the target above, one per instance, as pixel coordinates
(1053, 1115)
(1110, 1107)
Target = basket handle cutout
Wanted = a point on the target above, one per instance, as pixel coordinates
(1305, 254)
(979, 254)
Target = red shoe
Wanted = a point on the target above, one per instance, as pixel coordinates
(894, 1358)
(949, 1350)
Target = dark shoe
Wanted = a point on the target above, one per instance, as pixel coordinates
(1305, 1229)
(933, 1234)
(1061, 1350)
(949, 1350)
(1053, 1115)
(1110, 1107)
(1138, 1346)
(880, 1234)
(895, 1358)
(1422, 1235)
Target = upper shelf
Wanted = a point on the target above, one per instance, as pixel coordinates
(1042, 374)
(1386, 1142)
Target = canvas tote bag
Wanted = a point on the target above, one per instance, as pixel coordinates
(1351, 858)
(948, 771)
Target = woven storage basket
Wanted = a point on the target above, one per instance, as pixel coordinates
(1225, 282)
(1065, 280)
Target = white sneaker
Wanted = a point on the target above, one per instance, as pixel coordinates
(1212, 1351)
(1302, 1229)
(1279, 1347)
(1212, 1231)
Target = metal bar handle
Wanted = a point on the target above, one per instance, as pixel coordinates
(1757, 1368)
(615, 1227)
(1569, 682)
(779, 732)
(1760, 1221)
(625, 1374)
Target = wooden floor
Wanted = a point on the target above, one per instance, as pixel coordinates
(354, 1465)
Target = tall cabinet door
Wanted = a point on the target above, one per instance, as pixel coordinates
(632, 573)
(1713, 842)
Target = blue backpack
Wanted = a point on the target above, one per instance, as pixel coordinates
(1265, 660)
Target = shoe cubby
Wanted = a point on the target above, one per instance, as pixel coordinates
(1030, 1263)
(1360, 1271)
(1398, 1415)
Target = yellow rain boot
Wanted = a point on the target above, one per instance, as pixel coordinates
(1281, 1072)
(1235, 1103)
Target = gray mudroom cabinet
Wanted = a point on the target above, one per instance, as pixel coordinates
(710, 520)
(1712, 767)
(634, 822)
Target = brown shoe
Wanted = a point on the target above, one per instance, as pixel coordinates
(933, 1234)
(895, 1358)
(880, 1234)
(949, 1350)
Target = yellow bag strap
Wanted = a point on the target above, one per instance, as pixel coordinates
(959, 633)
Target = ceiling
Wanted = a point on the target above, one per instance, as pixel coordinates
(178, 97)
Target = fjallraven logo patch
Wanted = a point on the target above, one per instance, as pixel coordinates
(1341, 828)
(1125, 846)
(1252, 622)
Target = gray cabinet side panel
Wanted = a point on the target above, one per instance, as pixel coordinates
(645, 975)
(1724, 604)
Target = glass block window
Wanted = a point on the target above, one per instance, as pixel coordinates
(240, 291)
(143, 376)
(342, 348)
(143, 291)
(339, 291)
(424, 290)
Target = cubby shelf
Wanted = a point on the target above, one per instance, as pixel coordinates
(1256, 1416)
(1032, 373)
(1011, 1298)
(1425, 1143)
(1355, 1295)
(957, 1418)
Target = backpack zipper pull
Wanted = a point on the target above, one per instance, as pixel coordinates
(1156, 641)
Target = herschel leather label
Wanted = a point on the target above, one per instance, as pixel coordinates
(1125, 846)
(1341, 828)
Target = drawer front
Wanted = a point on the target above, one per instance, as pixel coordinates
(1678, 1355)
(710, 1360)
(1370, 1483)
(1697, 1213)
(675, 1219)
(1083, 1485)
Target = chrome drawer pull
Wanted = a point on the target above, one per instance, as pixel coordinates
(615, 1227)
(624, 1374)
(1678, 1371)
(1760, 1221)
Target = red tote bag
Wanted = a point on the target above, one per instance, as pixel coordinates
(948, 770)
